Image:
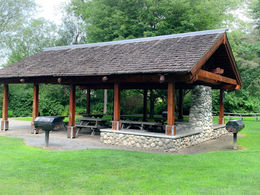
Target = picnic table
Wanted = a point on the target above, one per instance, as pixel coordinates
(141, 125)
(140, 117)
(131, 117)
(92, 115)
(93, 124)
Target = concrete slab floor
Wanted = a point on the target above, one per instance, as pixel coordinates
(59, 141)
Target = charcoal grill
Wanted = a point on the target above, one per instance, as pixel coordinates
(234, 126)
(47, 124)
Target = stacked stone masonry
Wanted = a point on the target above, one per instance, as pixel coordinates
(162, 143)
(201, 106)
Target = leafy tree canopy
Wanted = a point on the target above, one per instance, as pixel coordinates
(13, 13)
(30, 39)
(108, 20)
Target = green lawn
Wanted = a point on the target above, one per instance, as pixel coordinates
(28, 170)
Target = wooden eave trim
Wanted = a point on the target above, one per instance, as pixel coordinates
(232, 59)
(213, 78)
(205, 58)
(145, 78)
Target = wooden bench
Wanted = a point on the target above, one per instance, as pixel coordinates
(140, 124)
(92, 115)
(242, 115)
(94, 124)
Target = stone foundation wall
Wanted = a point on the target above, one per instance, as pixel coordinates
(198, 130)
(162, 142)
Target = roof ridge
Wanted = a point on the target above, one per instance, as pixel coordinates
(162, 37)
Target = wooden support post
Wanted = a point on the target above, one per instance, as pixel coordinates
(180, 117)
(152, 100)
(170, 127)
(88, 101)
(105, 102)
(72, 103)
(35, 111)
(116, 125)
(4, 122)
(145, 105)
(221, 107)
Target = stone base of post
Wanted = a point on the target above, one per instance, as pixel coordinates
(4, 125)
(116, 125)
(221, 121)
(71, 132)
(170, 130)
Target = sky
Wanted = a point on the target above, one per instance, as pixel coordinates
(50, 9)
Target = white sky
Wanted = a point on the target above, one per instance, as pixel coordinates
(51, 9)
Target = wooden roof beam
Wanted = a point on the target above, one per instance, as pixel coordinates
(213, 78)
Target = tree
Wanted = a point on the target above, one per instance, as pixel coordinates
(13, 13)
(72, 30)
(30, 39)
(108, 20)
(255, 11)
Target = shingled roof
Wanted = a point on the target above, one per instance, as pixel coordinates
(162, 54)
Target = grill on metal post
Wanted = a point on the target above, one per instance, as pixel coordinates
(47, 124)
(234, 126)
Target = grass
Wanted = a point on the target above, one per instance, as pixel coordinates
(28, 170)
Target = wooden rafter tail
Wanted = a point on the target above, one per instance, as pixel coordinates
(238, 87)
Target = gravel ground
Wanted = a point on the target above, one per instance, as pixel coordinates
(59, 141)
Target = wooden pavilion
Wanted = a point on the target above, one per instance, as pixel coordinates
(171, 62)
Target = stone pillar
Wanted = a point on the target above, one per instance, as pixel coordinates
(201, 106)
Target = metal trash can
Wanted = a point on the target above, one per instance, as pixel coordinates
(47, 124)
(234, 126)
